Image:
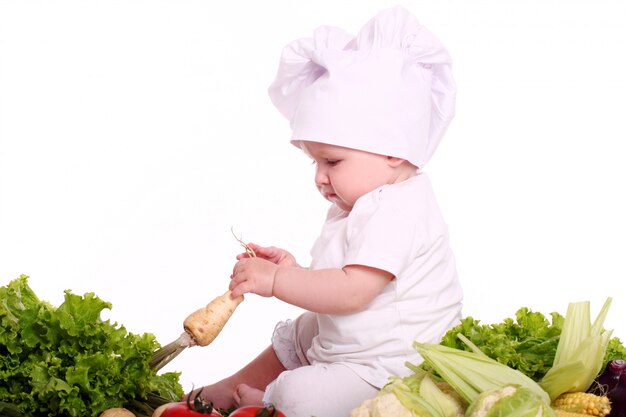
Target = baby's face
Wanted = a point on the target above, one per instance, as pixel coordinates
(342, 175)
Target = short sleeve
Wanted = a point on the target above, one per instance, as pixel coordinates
(384, 236)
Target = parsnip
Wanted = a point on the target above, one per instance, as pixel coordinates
(201, 328)
(205, 324)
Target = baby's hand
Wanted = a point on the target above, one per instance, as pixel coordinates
(271, 253)
(255, 275)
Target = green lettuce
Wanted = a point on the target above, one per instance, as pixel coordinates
(67, 361)
(527, 343)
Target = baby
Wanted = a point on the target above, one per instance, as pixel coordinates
(369, 111)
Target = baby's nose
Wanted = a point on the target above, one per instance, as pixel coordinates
(320, 177)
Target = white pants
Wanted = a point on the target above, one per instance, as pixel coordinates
(320, 390)
(305, 390)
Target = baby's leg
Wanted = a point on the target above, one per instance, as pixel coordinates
(258, 373)
(321, 390)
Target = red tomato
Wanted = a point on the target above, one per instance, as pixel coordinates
(255, 411)
(183, 409)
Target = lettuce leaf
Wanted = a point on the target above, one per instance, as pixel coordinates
(68, 361)
(527, 343)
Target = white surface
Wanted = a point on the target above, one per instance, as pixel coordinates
(135, 134)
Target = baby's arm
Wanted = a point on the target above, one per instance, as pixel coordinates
(328, 291)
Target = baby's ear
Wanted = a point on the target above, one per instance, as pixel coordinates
(395, 161)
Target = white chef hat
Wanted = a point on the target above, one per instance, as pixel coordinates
(389, 90)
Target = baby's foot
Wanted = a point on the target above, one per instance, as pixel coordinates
(246, 395)
(221, 395)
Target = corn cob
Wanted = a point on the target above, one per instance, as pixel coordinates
(583, 403)
(563, 413)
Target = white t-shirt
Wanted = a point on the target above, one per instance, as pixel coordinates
(397, 228)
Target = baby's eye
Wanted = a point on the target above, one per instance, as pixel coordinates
(332, 162)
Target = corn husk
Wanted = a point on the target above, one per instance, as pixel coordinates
(472, 373)
(580, 352)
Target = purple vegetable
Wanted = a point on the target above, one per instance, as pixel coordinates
(617, 396)
(608, 379)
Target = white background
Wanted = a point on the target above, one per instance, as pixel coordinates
(135, 134)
